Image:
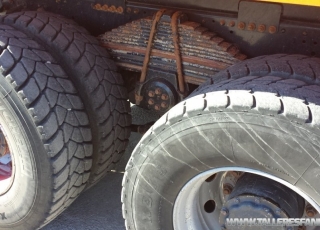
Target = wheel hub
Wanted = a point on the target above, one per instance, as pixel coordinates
(203, 203)
(159, 96)
(255, 196)
(249, 207)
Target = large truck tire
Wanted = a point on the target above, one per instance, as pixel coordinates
(298, 67)
(46, 148)
(94, 75)
(262, 122)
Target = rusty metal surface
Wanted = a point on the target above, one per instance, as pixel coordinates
(177, 54)
(150, 44)
(202, 52)
(105, 7)
(143, 76)
(168, 55)
(192, 80)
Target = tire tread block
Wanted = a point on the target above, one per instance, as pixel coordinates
(40, 90)
(81, 55)
(283, 86)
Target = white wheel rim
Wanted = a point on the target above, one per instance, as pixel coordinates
(188, 212)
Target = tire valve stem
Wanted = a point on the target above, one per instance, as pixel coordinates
(224, 211)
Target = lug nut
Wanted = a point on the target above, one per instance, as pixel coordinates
(164, 97)
(157, 107)
(272, 29)
(158, 91)
(261, 28)
(164, 105)
(227, 189)
(150, 101)
(242, 25)
(151, 93)
(251, 26)
(224, 211)
(222, 22)
(311, 211)
(232, 24)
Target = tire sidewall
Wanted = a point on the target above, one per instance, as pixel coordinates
(18, 205)
(155, 181)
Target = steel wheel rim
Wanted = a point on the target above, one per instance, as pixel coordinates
(188, 211)
(7, 169)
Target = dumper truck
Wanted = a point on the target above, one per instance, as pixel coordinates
(235, 82)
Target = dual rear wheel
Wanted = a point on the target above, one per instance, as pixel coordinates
(64, 116)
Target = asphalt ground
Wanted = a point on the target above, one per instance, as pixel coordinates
(99, 208)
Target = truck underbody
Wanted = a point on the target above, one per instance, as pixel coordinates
(236, 29)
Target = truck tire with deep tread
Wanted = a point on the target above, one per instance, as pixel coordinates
(47, 131)
(259, 114)
(298, 67)
(94, 75)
